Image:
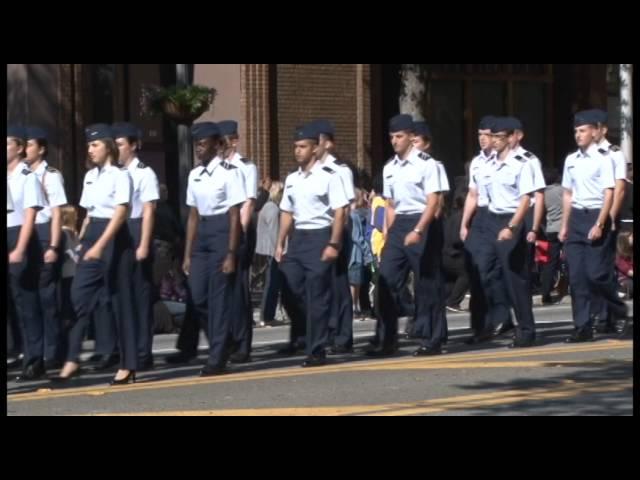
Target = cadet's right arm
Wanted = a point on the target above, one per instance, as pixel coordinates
(192, 225)
(470, 205)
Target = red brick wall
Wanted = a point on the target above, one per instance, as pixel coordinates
(308, 91)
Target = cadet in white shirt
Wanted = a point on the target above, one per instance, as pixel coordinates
(435, 241)
(603, 321)
(589, 180)
(140, 224)
(313, 220)
(215, 193)
(49, 232)
(535, 214)
(106, 196)
(488, 307)
(241, 310)
(341, 318)
(412, 186)
(22, 246)
(509, 193)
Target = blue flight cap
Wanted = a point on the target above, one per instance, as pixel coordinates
(228, 127)
(401, 122)
(204, 130)
(98, 131)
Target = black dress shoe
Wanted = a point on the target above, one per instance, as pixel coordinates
(480, 338)
(427, 351)
(53, 364)
(14, 363)
(212, 370)
(240, 357)
(130, 378)
(339, 350)
(106, 363)
(31, 372)
(503, 328)
(580, 336)
(289, 351)
(381, 351)
(314, 361)
(179, 358)
(522, 343)
(96, 357)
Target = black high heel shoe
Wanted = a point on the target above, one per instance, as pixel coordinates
(76, 373)
(130, 378)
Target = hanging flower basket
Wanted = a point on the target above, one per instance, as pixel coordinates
(182, 104)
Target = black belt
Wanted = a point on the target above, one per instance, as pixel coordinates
(210, 218)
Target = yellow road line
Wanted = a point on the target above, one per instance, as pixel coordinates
(398, 364)
(566, 389)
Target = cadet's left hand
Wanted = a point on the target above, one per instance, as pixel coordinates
(142, 253)
(93, 253)
(229, 264)
(505, 234)
(16, 257)
(532, 237)
(412, 239)
(50, 256)
(329, 254)
(595, 233)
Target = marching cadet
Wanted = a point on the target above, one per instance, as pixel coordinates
(242, 312)
(215, 193)
(341, 319)
(509, 191)
(311, 194)
(422, 141)
(106, 195)
(589, 181)
(535, 214)
(603, 322)
(49, 233)
(412, 186)
(24, 253)
(140, 225)
(488, 308)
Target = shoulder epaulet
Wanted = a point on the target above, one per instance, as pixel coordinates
(424, 156)
(529, 154)
(337, 161)
(26, 171)
(245, 160)
(614, 148)
(603, 151)
(228, 166)
(52, 170)
(520, 158)
(329, 170)
(142, 165)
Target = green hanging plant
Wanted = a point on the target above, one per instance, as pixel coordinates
(181, 103)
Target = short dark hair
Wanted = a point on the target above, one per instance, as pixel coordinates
(551, 175)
